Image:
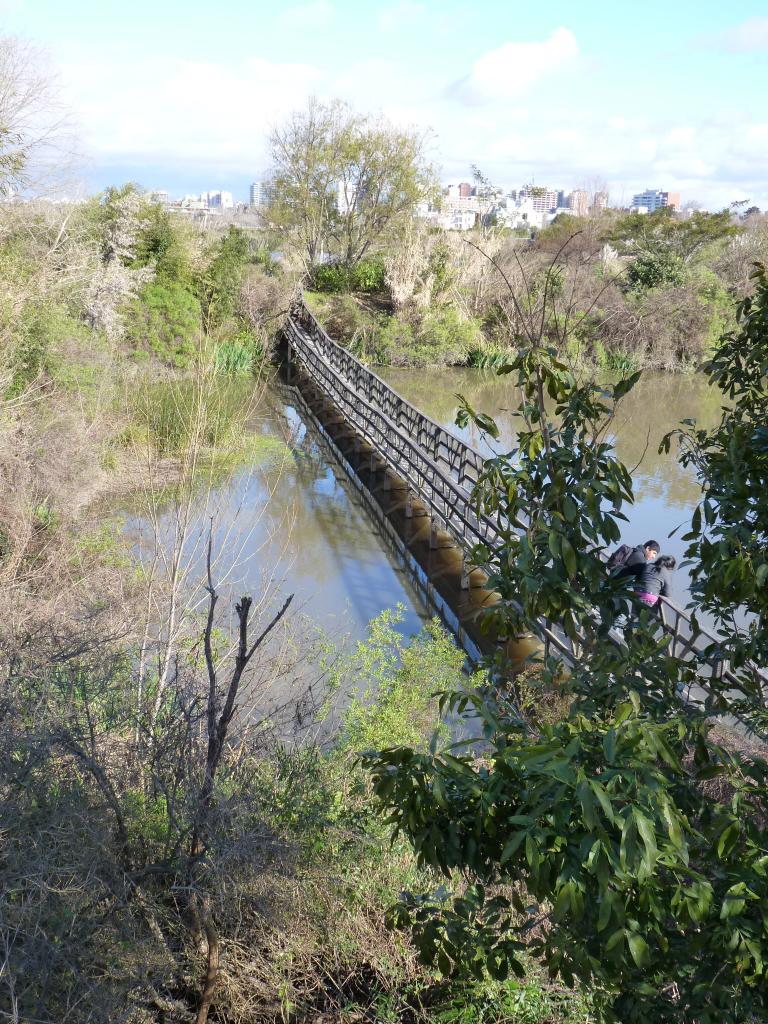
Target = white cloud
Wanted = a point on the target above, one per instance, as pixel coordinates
(749, 36)
(511, 70)
(213, 119)
(182, 111)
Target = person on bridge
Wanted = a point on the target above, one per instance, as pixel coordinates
(626, 561)
(655, 580)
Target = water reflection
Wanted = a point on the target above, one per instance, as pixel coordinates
(293, 523)
(665, 493)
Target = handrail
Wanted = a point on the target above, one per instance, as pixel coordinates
(459, 460)
(443, 470)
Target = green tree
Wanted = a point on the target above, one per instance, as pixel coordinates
(729, 574)
(663, 246)
(592, 842)
(161, 243)
(222, 281)
(344, 181)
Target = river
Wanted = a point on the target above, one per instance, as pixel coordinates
(665, 493)
(292, 522)
(289, 522)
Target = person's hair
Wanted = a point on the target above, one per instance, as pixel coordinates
(653, 544)
(666, 562)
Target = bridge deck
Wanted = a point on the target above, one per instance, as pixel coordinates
(443, 470)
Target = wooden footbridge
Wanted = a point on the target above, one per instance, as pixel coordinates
(441, 471)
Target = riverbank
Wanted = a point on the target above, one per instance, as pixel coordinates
(613, 292)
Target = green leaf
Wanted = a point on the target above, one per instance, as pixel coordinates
(569, 557)
(511, 847)
(727, 840)
(614, 939)
(734, 901)
(604, 914)
(602, 796)
(638, 947)
(648, 836)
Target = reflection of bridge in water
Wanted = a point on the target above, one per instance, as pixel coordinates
(382, 433)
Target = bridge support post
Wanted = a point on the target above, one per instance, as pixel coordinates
(373, 464)
(408, 503)
(433, 534)
(356, 445)
(464, 573)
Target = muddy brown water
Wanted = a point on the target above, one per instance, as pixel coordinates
(665, 493)
(295, 523)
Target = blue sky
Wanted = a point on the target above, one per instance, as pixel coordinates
(183, 95)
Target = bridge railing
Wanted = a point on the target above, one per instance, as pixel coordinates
(455, 458)
(443, 470)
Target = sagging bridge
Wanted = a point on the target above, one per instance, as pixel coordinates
(440, 471)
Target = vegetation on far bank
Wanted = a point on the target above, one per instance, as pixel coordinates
(631, 292)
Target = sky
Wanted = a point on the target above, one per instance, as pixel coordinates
(183, 96)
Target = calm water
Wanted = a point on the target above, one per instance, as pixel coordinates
(291, 523)
(665, 493)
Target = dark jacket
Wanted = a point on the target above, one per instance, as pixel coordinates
(635, 564)
(655, 580)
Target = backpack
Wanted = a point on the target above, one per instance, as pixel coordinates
(619, 557)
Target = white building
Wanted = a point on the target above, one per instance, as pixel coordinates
(654, 199)
(542, 199)
(261, 194)
(217, 200)
(522, 212)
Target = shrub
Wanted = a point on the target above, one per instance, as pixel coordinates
(222, 281)
(165, 318)
(40, 327)
(239, 354)
(161, 243)
(654, 269)
(449, 336)
(365, 276)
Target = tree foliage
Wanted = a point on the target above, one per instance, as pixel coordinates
(662, 246)
(600, 842)
(165, 318)
(222, 281)
(729, 575)
(35, 143)
(344, 181)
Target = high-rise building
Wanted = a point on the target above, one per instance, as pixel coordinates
(262, 194)
(542, 199)
(578, 202)
(465, 190)
(218, 200)
(654, 199)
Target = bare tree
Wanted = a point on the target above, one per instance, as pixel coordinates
(36, 129)
(405, 263)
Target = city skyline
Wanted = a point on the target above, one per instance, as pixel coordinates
(174, 100)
